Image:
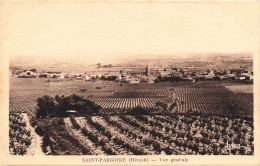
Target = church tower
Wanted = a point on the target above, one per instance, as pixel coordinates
(147, 71)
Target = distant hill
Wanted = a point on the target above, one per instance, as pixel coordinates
(197, 60)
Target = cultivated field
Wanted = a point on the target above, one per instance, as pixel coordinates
(130, 98)
(211, 97)
(25, 91)
(148, 135)
(212, 100)
(204, 117)
(23, 139)
(241, 88)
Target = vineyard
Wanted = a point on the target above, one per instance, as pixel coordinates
(149, 135)
(217, 100)
(205, 97)
(176, 134)
(23, 109)
(208, 100)
(129, 102)
(23, 139)
(198, 120)
(130, 98)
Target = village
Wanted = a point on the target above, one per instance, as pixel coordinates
(140, 74)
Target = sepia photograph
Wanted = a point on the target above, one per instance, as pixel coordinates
(130, 83)
(198, 105)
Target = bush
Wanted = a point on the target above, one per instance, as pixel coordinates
(33, 121)
(83, 90)
(109, 78)
(58, 106)
(139, 111)
(39, 131)
(74, 123)
(98, 88)
(46, 107)
(161, 105)
(45, 143)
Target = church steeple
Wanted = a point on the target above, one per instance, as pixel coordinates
(147, 70)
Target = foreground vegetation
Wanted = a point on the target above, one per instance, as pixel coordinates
(19, 134)
(144, 132)
(146, 135)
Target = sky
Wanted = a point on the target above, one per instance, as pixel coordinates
(104, 32)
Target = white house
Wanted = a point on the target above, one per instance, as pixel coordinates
(87, 78)
(61, 76)
(240, 77)
(28, 74)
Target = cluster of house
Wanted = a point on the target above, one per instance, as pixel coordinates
(188, 74)
(141, 75)
(210, 74)
(25, 73)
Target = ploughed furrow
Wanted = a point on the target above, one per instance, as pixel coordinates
(159, 140)
(153, 146)
(82, 139)
(128, 139)
(101, 141)
(122, 146)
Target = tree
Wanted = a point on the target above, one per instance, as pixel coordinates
(43, 75)
(46, 107)
(83, 90)
(58, 106)
(162, 105)
(138, 110)
(63, 105)
(109, 78)
(98, 88)
(33, 70)
(99, 65)
(158, 79)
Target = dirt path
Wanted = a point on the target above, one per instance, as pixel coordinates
(35, 147)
